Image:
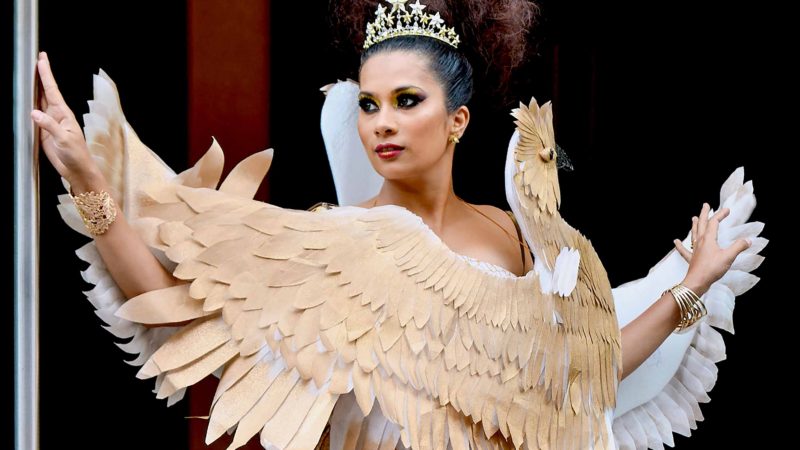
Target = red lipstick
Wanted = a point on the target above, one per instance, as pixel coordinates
(388, 150)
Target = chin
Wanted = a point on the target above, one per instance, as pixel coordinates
(394, 170)
(408, 166)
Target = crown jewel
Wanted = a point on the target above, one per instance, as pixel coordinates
(399, 21)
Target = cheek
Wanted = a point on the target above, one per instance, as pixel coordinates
(365, 135)
(363, 131)
(429, 132)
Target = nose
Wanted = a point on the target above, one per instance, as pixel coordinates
(384, 131)
(385, 124)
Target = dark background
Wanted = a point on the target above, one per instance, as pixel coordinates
(656, 104)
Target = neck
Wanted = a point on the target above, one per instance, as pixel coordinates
(430, 196)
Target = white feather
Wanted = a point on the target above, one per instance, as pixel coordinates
(512, 196)
(565, 274)
(353, 175)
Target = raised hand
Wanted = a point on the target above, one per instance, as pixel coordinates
(61, 135)
(707, 261)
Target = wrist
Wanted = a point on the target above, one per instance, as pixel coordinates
(697, 287)
(90, 181)
(690, 305)
(97, 210)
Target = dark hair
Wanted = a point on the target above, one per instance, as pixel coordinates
(493, 36)
(450, 67)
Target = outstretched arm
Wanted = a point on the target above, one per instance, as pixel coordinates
(129, 261)
(707, 263)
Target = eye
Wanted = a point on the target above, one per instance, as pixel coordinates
(367, 105)
(407, 100)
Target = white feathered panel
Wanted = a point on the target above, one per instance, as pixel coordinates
(353, 174)
(107, 299)
(120, 155)
(663, 395)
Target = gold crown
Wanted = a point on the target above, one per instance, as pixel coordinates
(401, 22)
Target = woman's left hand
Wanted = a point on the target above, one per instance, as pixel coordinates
(707, 261)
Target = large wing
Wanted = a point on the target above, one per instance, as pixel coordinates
(127, 165)
(300, 308)
(353, 174)
(662, 396)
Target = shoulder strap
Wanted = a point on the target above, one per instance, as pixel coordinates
(519, 237)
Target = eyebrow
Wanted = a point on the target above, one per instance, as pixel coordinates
(394, 91)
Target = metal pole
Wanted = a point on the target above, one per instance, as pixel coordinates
(26, 229)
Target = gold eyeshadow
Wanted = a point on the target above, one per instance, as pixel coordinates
(407, 91)
(415, 94)
(368, 97)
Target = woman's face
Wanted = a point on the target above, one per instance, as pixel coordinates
(403, 122)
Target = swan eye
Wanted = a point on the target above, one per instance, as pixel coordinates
(547, 154)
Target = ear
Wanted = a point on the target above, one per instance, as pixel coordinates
(460, 118)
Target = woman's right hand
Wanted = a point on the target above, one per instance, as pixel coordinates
(708, 262)
(61, 135)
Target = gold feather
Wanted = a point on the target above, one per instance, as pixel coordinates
(167, 305)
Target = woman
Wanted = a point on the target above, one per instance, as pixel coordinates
(413, 95)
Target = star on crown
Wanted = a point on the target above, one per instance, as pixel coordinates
(399, 21)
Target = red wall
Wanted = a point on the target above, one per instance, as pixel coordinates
(228, 74)
(228, 46)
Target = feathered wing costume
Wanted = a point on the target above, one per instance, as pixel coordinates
(662, 396)
(365, 319)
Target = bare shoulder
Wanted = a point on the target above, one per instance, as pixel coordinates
(498, 215)
(495, 237)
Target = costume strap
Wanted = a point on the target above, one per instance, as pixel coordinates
(519, 237)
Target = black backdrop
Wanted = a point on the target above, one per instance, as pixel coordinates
(89, 396)
(655, 104)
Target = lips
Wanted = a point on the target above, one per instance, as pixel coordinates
(387, 147)
(388, 150)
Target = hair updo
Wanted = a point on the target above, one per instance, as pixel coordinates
(493, 35)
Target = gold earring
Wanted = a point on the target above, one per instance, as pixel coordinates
(454, 139)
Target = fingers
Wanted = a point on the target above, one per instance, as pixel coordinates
(682, 250)
(48, 80)
(43, 105)
(52, 101)
(695, 235)
(737, 247)
(713, 223)
(50, 125)
(703, 221)
(43, 120)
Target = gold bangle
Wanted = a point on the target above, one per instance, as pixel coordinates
(691, 307)
(97, 210)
